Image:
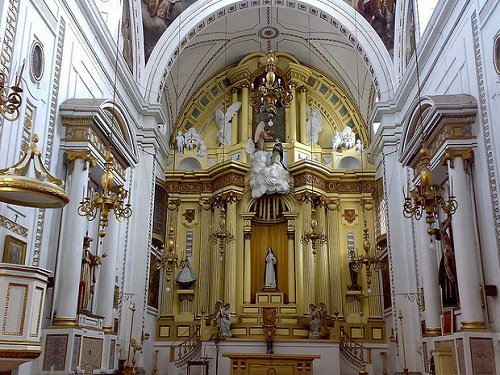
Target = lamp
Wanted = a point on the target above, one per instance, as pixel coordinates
(270, 92)
(222, 235)
(42, 191)
(428, 197)
(10, 101)
(317, 237)
(112, 198)
(169, 260)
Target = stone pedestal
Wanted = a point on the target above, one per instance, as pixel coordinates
(444, 362)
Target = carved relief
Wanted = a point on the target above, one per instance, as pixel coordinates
(350, 215)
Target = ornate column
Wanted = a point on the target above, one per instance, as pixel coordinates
(323, 264)
(308, 258)
(234, 121)
(293, 116)
(291, 255)
(247, 266)
(303, 114)
(216, 263)
(465, 246)
(205, 260)
(230, 259)
(332, 231)
(107, 274)
(167, 292)
(73, 231)
(245, 105)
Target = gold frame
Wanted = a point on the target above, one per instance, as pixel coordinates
(11, 243)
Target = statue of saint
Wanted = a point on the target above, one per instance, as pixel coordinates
(88, 275)
(314, 322)
(179, 139)
(223, 318)
(270, 270)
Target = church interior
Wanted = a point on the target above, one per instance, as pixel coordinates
(251, 187)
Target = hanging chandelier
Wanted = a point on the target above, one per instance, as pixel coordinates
(10, 99)
(42, 191)
(222, 235)
(112, 198)
(428, 198)
(372, 263)
(169, 260)
(270, 92)
(315, 235)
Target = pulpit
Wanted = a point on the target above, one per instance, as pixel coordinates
(275, 364)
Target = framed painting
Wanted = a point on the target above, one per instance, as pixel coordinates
(14, 250)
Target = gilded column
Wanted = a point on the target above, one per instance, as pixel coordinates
(465, 246)
(167, 295)
(375, 306)
(299, 266)
(323, 264)
(234, 122)
(107, 273)
(291, 267)
(309, 260)
(303, 114)
(332, 231)
(230, 259)
(216, 262)
(247, 284)
(205, 261)
(293, 116)
(245, 105)
(74, 228)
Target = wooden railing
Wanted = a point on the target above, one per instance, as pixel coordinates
(351, 350)
(187, 349)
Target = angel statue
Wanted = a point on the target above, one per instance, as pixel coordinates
(314, 125)
(223, 121)
(223, 318)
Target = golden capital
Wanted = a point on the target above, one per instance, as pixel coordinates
(449, 155)
(82, 154)
(302, 89)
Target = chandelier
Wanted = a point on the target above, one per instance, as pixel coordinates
(370, 262)
(10, 100)
(270, 92)
(169, 260)
(222, 235)
(314, 235)
(427, 197)
(112, 198)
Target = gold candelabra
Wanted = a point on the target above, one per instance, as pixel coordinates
(270, 92)
(112, 198)
(222, 235)
(316, 236)
(10, 98)
(367, 260)
(169, 260)
(428, 198)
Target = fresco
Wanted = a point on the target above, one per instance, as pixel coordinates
(380, 14)
(157, 15)
(126, 29)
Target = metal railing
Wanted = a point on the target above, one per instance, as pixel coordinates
(187, 349)
(351, 350)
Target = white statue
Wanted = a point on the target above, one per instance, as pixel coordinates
(179, 139)
(224, 124)
(202, 148)
(359, 145)
(314, 125)
(192, 139)
(346, 138)
(270, 270)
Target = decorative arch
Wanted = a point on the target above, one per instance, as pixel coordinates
(355, 29)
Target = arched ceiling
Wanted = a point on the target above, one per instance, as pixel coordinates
(353, 56)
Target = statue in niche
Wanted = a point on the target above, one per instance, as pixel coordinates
(223, 318)
(90, 262)
(314, 322)
(270, 270)
(447, 267)
(314, 125)
(346, 138)
(268, 173)
(180, 141)
(224, 125)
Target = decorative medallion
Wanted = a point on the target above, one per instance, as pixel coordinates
(268, 32)
(189, 215)
(37, 61)
(350, 215)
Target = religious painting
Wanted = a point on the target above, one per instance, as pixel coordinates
(154, 283)
(127, 35)
(14, 250)
(157, 15)
(380, 14)
(37, 61)
(410, 42)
